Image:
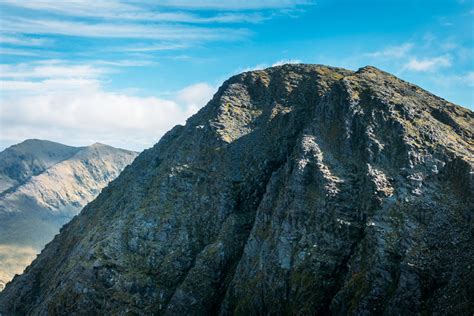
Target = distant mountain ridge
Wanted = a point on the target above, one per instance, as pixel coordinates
(43, 185)
(29, 158)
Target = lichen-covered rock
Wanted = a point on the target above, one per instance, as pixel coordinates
(299, 189)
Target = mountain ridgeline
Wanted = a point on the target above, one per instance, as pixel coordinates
(44, 184)
(29, 158)
(298, 189)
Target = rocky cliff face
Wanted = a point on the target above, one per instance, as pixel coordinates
(52, 183)
(299, 189)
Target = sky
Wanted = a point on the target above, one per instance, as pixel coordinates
(124, 72)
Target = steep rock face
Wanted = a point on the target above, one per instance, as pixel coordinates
(299, 189)
(32, 212)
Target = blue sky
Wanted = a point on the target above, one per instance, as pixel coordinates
(124, 72)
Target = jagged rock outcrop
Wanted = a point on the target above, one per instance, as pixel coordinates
(52, 182)
(299, 189)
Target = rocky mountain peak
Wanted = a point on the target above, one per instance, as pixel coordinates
(299, 189)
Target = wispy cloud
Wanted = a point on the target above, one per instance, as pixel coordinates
(411, 57)
(73, 7)
(169, 25)
(393, 51)
(148, 11)
(81, 7)
(17, 52)
(233, 4)
(22, 88)
(23, 41)
(154, 47)
(124, 63)
(110, 30)
(428, 64)
(51, 69)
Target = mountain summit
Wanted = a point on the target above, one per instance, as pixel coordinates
(298, 189)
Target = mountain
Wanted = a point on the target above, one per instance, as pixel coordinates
(47, 184)
(29, 158)
(298, 189)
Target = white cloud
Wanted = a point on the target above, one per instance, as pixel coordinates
(233, 4)
(116, 7)
(195, 95)
(17, 52)
(235, 18)
(123, 63)
(146, 11)
(49, 69)
(77, 110)
(428, 64)
(70, 6)
(23, 40)
(286, 61)
(82, 118)
(171, 24)
(64, 85)
(120, 30)
(393, 51)
(154, 47)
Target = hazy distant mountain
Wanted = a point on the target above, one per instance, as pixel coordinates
(29, 158)
(44, 184)
(297, 190)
